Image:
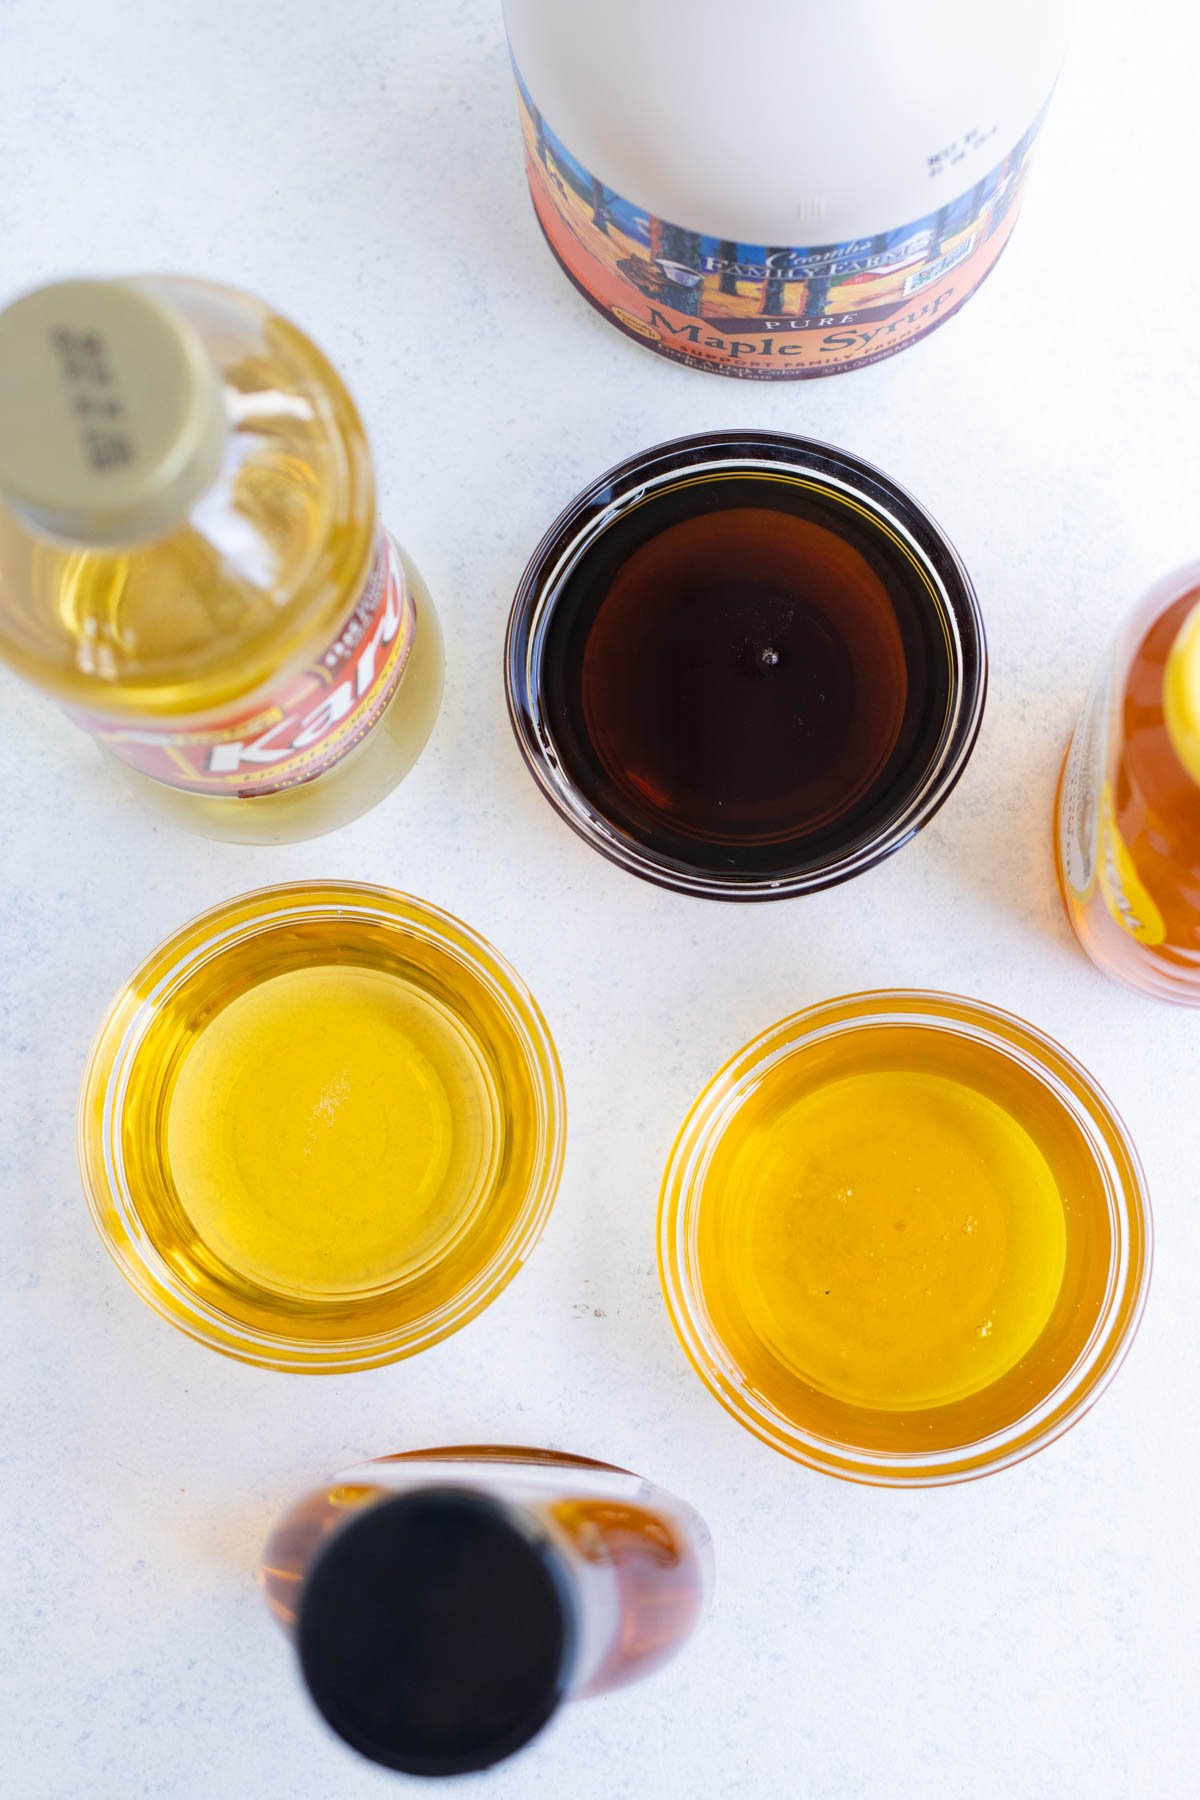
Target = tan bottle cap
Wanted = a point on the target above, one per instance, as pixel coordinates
(112, 417)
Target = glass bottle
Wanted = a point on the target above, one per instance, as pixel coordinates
(191, 561)
(1127, 828)
(445, 1602)
(796, 194)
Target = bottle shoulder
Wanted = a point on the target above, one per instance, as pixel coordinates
(257, 575)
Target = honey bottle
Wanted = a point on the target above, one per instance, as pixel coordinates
(191, 559)
(1128, 812)
(445, 1602)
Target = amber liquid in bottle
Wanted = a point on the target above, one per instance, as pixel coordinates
(1129, 842)
(658, 1566)
(467, 1668)
(743, 673)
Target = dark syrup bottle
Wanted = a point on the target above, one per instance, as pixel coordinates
(444, 1603)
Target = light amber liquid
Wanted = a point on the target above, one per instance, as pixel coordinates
(258, 579)
(903, 1239)
(327, 1131)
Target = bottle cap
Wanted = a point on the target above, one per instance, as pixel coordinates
(1181, 694)
(437, 1632)
(112, 417)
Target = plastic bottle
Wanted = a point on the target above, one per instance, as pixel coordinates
(785, 192)
(444, 1603)
(191, 560)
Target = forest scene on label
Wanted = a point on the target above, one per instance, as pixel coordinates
(761, 309)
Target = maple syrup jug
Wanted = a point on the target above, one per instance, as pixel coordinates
(790, 193)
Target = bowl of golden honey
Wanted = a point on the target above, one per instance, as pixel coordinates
(322, 1126)
(904, 1238)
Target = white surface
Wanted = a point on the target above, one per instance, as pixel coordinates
(1033, 1634)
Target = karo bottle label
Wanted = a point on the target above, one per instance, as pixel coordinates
(770, 311)
(299, 730)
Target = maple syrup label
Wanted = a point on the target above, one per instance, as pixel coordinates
(298, 730)
(770, 311)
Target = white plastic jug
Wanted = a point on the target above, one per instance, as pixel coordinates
(786, 190)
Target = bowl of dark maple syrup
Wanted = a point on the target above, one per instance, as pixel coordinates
(745, 665)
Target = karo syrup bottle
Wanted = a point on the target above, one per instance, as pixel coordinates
(1127, 829)
(444, 1603)
(191, 560)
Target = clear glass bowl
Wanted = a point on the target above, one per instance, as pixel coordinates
(1075, 1372)
(127, 1089)
(903, 530)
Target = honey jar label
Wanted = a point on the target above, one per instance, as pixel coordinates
(298, 731)
(1126, 895)
(770, 311)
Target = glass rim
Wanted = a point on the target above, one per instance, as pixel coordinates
(892, 511)
(177, 959)
(1107, 1139)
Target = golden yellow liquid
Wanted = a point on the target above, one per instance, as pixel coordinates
(255, 582)
(902, 1238)
(329, 1130)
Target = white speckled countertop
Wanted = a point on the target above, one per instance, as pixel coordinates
(1036, 1634)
